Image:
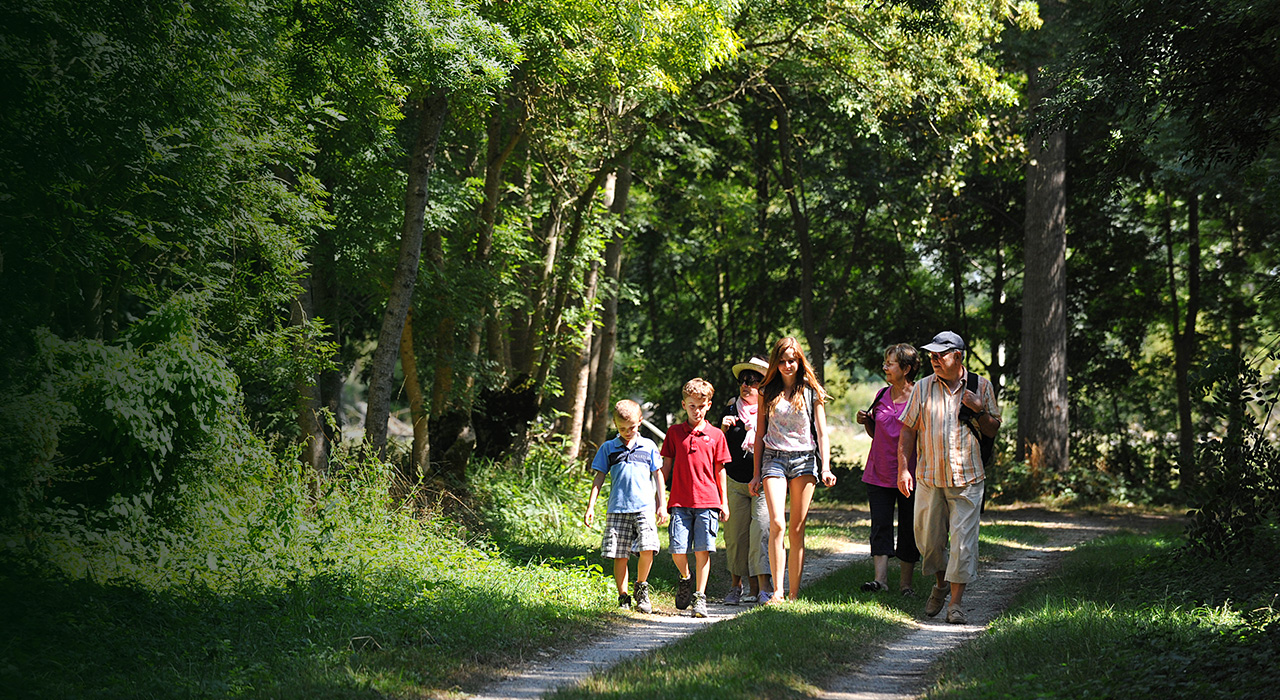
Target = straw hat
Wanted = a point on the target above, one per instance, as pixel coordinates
(755, 364)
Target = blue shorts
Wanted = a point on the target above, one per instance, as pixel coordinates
(694, 529)
(788, 464)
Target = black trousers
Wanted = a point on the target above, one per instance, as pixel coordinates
(883, 500)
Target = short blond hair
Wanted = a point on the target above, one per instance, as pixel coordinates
(627, 410)
(700, 388)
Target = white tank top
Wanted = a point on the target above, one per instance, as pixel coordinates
(789, 428)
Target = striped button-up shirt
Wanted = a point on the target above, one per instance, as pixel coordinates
(947, 452)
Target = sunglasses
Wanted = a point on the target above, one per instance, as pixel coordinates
(751, 381)
(940, 355)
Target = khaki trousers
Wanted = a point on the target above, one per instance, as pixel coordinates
(950, 510)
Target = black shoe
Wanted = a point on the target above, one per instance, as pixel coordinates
(624, 601)
(684, 593)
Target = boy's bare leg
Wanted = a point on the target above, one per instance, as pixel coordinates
(702, 564)
(762, 583)
(957, 594)
(906, 574)
(682, 564)
(620, 575)
(646, 563)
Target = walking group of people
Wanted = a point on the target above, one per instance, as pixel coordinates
(768, 454)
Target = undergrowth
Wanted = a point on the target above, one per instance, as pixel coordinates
(282, 584)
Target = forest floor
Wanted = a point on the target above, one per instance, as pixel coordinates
(902, 668)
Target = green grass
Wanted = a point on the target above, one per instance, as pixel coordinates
(997, 541)
(395, 632)
(1129, 616)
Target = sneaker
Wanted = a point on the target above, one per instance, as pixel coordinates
(624, 601)
(699, 604)
(955, 615)
(734, 597)
(937, 597)
(750, 598)
(684, 593)
(642, 597)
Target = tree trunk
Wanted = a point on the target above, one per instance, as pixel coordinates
(1184, 336)
(996, 368)
(431, 114)
(800, 226)
(500, 144)
(315, 447)
(608, 335)
(1042, 409)
(419, 458)
(577, 227)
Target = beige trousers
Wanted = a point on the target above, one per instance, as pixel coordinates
(952, 510)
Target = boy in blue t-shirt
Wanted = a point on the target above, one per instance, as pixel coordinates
(632, 463)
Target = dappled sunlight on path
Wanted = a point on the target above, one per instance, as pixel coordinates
(899, 670)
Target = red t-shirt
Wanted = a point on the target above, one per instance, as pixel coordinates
(696, 457)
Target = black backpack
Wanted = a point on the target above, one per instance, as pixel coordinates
(986, 445)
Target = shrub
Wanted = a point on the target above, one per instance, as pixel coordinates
(98, 419)
(1238, 492)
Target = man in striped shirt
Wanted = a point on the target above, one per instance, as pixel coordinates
(949, 470)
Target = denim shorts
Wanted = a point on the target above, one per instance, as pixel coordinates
(694, 529)
(788, 464)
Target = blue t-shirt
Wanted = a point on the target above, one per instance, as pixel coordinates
(630, 472)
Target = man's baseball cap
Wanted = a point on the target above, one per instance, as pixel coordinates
(944, 342)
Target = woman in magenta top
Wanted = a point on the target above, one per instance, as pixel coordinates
(901, 362)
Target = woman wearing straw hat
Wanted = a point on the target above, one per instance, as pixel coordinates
(747, 532)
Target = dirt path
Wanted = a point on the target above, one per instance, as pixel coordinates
(900, 670)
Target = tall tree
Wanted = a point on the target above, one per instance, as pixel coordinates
(1042, 404)
(436, 73)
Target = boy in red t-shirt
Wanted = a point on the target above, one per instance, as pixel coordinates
(693, 457)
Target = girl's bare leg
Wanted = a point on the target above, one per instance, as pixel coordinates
(801, 489)
(775, 496)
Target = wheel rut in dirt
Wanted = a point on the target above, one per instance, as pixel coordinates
(897, 671)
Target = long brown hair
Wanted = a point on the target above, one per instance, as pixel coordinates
(772, 387)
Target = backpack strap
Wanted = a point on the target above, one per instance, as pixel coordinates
(967, 414)
(876, 401)
(811, 397)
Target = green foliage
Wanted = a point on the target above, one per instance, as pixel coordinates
(127, 416)
(540, 498)
(1147, 63)
(1239, 489)
(150, 150)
